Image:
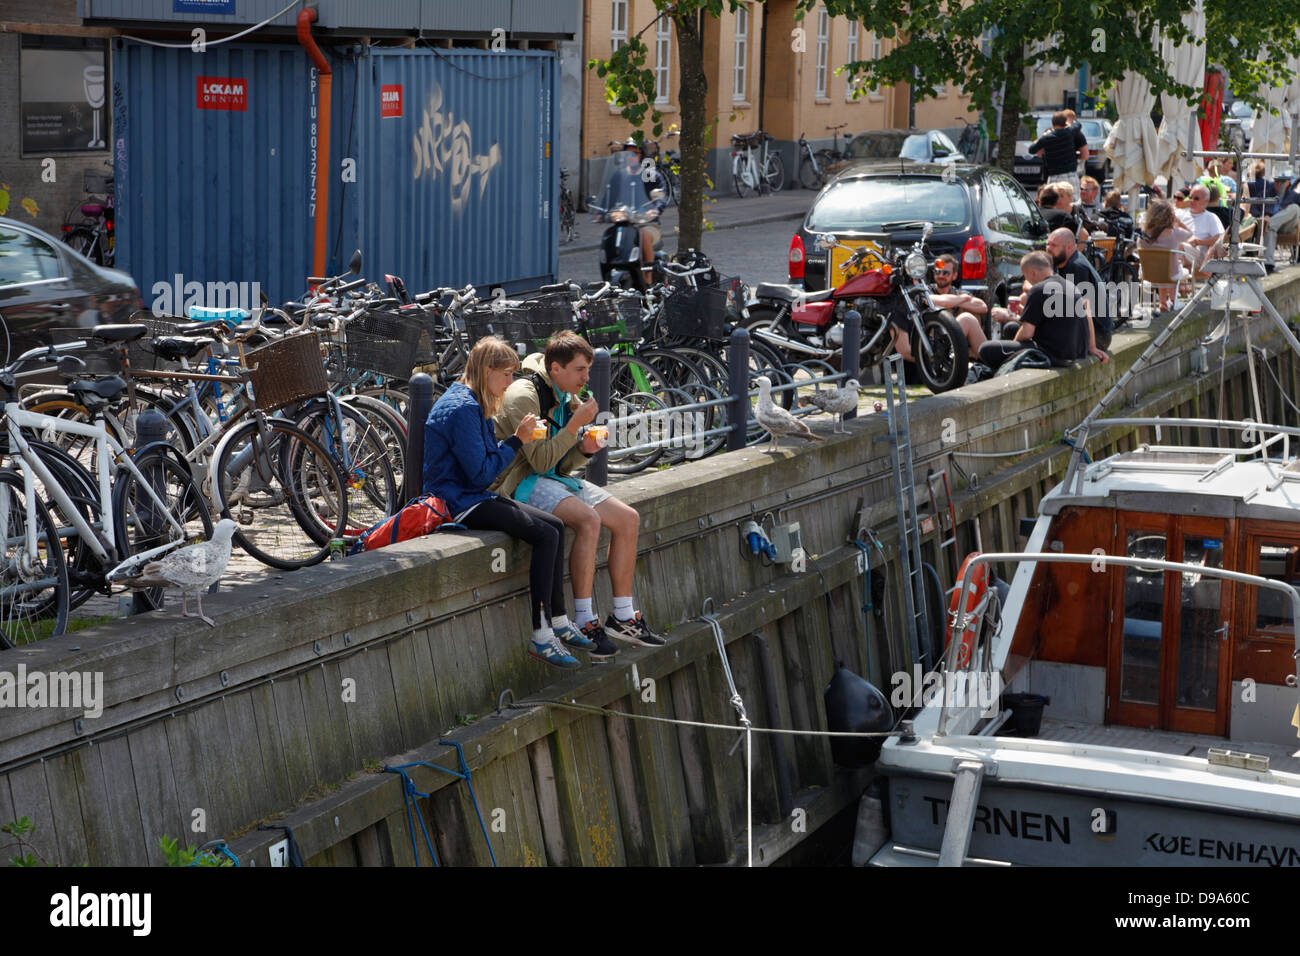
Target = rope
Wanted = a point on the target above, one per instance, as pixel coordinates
(207, 43)
(409, 793)
(738, 702)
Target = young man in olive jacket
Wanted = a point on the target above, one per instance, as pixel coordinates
(541, 475)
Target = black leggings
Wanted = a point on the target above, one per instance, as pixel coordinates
(545, 533)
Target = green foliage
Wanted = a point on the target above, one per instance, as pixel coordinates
(19, 829)
(174, 855)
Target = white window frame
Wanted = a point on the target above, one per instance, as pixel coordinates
(851, 55)
(877, 46)
(663, 59)
(740, 49)
(618, 25)
(823, 51)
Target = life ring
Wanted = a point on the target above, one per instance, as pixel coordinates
(974, 595)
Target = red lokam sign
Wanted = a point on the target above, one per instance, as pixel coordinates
(390, 100)
(222, 93)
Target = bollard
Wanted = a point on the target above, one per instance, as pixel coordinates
(598, 464)
(151, 426)
(738, 357)
(850, 351)
(420, 390)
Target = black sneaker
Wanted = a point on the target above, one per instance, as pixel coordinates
(602, 649)
(634, 631)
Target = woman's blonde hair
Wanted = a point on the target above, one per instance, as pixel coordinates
(489, 353)
(1160, 216)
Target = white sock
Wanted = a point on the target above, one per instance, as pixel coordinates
(559, 622)
(623, 609)
(543, 635)
(582, 612)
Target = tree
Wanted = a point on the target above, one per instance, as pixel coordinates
(985, 46)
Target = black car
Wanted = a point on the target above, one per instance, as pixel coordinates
(982, 218)
(44, 285)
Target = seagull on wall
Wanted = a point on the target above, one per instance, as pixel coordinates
(192, 569)
(777, 420)
(836, 401)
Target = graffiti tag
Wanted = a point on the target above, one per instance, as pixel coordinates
(444, 147)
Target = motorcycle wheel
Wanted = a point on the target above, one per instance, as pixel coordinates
(949, 359)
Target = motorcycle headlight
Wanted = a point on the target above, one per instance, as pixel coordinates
(916, 265)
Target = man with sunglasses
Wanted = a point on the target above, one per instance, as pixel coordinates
(966, 308)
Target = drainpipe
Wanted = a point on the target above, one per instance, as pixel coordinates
(305, 19)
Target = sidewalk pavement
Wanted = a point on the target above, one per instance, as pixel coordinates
(724, 211)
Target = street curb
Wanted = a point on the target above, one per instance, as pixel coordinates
(757, 221)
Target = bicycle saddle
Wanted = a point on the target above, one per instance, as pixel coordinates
(174, 348)
(96, 394)
(192, 328)
(119, 333)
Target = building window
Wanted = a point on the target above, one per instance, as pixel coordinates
(876, 47)
(663, 57)
(742, 53)
(851, 57)
(618, 26)
(823, 49)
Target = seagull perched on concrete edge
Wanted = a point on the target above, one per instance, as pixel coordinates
(193, 569)
(837, 401)
(777, 420)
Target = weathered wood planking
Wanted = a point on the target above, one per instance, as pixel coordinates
(61, 779)
(554, 835)
(262, 699)
(335, 747)
(295, 737)
(709, 809)
(122, 801)
(104, 834)
(185, 745)
(31, 799)
(460, 661)
(585, 785)
(250, 771)
(417, 720)
(155, 786)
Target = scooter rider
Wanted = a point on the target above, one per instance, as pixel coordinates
(631, 185)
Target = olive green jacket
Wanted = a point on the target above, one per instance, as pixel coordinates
(558, 451)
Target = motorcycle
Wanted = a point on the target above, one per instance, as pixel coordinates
(628, 206)
(893, 293)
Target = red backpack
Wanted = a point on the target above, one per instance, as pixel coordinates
(423, 515)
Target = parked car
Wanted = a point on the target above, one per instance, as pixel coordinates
(1238, 123)
(44, 284)
(1029, 168)
(982, 218)
(886, 145)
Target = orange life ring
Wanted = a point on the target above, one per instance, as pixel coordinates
(979, 584)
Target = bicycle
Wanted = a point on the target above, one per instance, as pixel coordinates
(668, 163)
(974, 141)
(93, 236)
(752, 173)
(812, 165)
(568, 212)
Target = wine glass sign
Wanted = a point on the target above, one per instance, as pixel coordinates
(92, 80)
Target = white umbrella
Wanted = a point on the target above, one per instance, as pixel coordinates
(1269, 134)
(1132, 143)
(1187, 65)
(1293, 103)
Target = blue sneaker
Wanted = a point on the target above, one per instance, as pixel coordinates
(571, 636)
(551, 652)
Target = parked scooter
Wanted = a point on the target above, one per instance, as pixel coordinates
(894, 294)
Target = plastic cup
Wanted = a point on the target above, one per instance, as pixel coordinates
(600, 433)
(539, 431)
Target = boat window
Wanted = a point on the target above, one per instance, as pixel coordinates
(1144, 611)
(1198, 638)
(1277, 561)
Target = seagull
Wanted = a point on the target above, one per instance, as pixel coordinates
(192, 569)
(776, 420)
(837, 401)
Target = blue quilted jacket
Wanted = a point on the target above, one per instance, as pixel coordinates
(461, 454)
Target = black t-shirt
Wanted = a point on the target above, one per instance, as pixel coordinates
(1086, 282)
(1056, 218)
(1059, 146)
(1056, 312)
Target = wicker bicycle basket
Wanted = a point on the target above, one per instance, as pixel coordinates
(383, 342)
(612, 321)
(287, 371)
(703, 313)
(528, 323)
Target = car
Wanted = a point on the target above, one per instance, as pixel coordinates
(1238, 122)
(44, 285)
(1029, 168)
(982, 218)
(892, 145)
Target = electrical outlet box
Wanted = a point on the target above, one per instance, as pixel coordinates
(787, 540)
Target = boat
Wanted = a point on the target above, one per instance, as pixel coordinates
(1145, 654)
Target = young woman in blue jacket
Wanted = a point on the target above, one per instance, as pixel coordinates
(462, 458)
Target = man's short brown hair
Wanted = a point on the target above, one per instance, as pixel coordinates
(563, 346)
(1038, 260)
(1060, 119)
(1048, 197)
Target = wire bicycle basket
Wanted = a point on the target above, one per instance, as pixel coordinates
(704, 312)
(522, 323)
(612, 321)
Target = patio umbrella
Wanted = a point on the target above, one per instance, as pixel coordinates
(1132, 144)
(1269, 134)
(1187, 65)
(1293, 106)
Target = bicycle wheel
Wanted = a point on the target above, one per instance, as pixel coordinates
(33, 593)
(810, 177)
(283, 490)
(85, 570)
(744, 175)
(390, 426)
(83, 240)
(637, 389)
(140, 524)
(671, 184)
(687, 380)
(361, 452)
(774, 172)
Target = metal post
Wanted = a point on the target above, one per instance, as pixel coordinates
(850, 352)
(420, 390)
(598, 465)
(150, 426)
(738, 356)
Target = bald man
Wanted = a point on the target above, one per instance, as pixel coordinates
(1054, 318)
(1069, 263)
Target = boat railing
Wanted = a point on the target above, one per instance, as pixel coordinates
(982, 654)
(1251, 430)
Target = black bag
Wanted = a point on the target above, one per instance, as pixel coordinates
(1025, 358)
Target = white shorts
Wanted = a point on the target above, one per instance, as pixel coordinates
(548, 493)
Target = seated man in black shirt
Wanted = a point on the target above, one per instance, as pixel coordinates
(1049, 202)
(1071, 264)
(1054, 318)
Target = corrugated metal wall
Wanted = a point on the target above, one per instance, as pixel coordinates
(462, 186)
(464, 194)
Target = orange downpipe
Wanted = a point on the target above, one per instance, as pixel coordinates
(323, 99)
